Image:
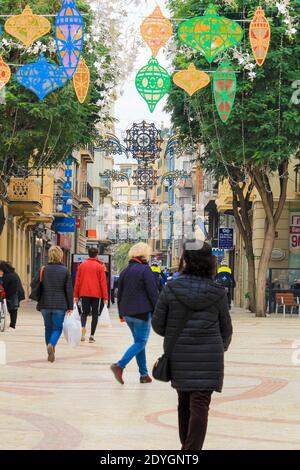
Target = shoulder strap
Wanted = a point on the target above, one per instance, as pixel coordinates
(181, 324)
(42, 273)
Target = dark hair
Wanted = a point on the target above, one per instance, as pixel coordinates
(197, 259)
(93, 252)
(6, 267)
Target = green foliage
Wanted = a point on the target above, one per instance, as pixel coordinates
(121, 256)
(46, 131)
(264, 127)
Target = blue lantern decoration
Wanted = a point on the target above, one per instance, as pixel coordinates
(1, 29)
(41, 77)
(69, 36)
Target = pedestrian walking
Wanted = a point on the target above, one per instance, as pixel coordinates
(56, 299)
(91, 287)
(13, 289)
(226, 279)
(198, 305)
(158, 275)
(137, 297)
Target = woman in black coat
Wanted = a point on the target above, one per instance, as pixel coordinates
(197, 360)
(13, 289)
(56, 297)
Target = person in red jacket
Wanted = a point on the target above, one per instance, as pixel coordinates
(91, 288)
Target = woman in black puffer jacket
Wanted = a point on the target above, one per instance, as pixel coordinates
(197, 360)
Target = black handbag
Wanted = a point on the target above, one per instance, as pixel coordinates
(37, 287)
(161, 369)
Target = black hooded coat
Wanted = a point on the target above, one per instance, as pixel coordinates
(197, 360)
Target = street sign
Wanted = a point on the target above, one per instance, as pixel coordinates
(64, 224)
(226, 238)
(218, 253)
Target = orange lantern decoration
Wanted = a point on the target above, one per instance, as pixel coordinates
(191, 80)
(5, 73)
(81, 80)
(260, 35)
(156, 30)
(27, 27)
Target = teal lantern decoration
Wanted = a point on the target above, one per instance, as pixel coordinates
(69, 36)
(153, 82)
(41, 77)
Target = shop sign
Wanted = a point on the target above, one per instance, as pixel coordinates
(226, 238)
(295, 231)
(64, 224)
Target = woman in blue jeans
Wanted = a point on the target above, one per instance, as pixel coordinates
(137, 297)
(56, 297)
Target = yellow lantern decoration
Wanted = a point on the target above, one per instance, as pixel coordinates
(81, 80)
(191, 80)
(260, 35)
(5, 73)
(156, 30)
(27, 27)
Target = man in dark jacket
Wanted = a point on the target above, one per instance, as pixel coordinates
(197, 359)
(137, 297)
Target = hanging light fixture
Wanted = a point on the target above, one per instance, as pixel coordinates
(81, 80)
(260, 36)
(153, 82)
(156, 30)
(5, 73)
(69, 36)
(41, 77)
(224, 88)
(210, 34)
(191, 80)
(27, 27)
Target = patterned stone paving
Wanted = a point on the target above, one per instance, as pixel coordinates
(75, 403)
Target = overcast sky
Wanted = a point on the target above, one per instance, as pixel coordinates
(131, 107)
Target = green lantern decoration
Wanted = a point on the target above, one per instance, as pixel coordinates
(224, 87)
(153, 82)
(210, 34)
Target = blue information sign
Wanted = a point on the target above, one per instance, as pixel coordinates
(64, 224)
(226, 236)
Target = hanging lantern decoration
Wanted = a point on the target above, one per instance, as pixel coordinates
(27, 27)
(210, 34)
(224, 88)
(5, 73)
(153, 82)
(260, 35)
(69, 36)
(156, 30)
(41, 77)
(81, 80)
(191, 80)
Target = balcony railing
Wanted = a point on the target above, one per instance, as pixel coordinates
(24, 189)
(86, 194)
(24, 195)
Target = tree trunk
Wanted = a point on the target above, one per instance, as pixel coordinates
(262, 271)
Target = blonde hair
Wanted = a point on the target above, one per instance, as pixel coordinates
(140, 250)
(55, 254)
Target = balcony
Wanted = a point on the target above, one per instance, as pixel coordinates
(24, 196)
(86, 195)
(87, 154)
(104, 186)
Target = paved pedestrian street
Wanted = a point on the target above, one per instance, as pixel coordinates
(75, 403)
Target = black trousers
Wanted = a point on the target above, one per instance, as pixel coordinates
(193, 408)
(13, 318)
(91, 306)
